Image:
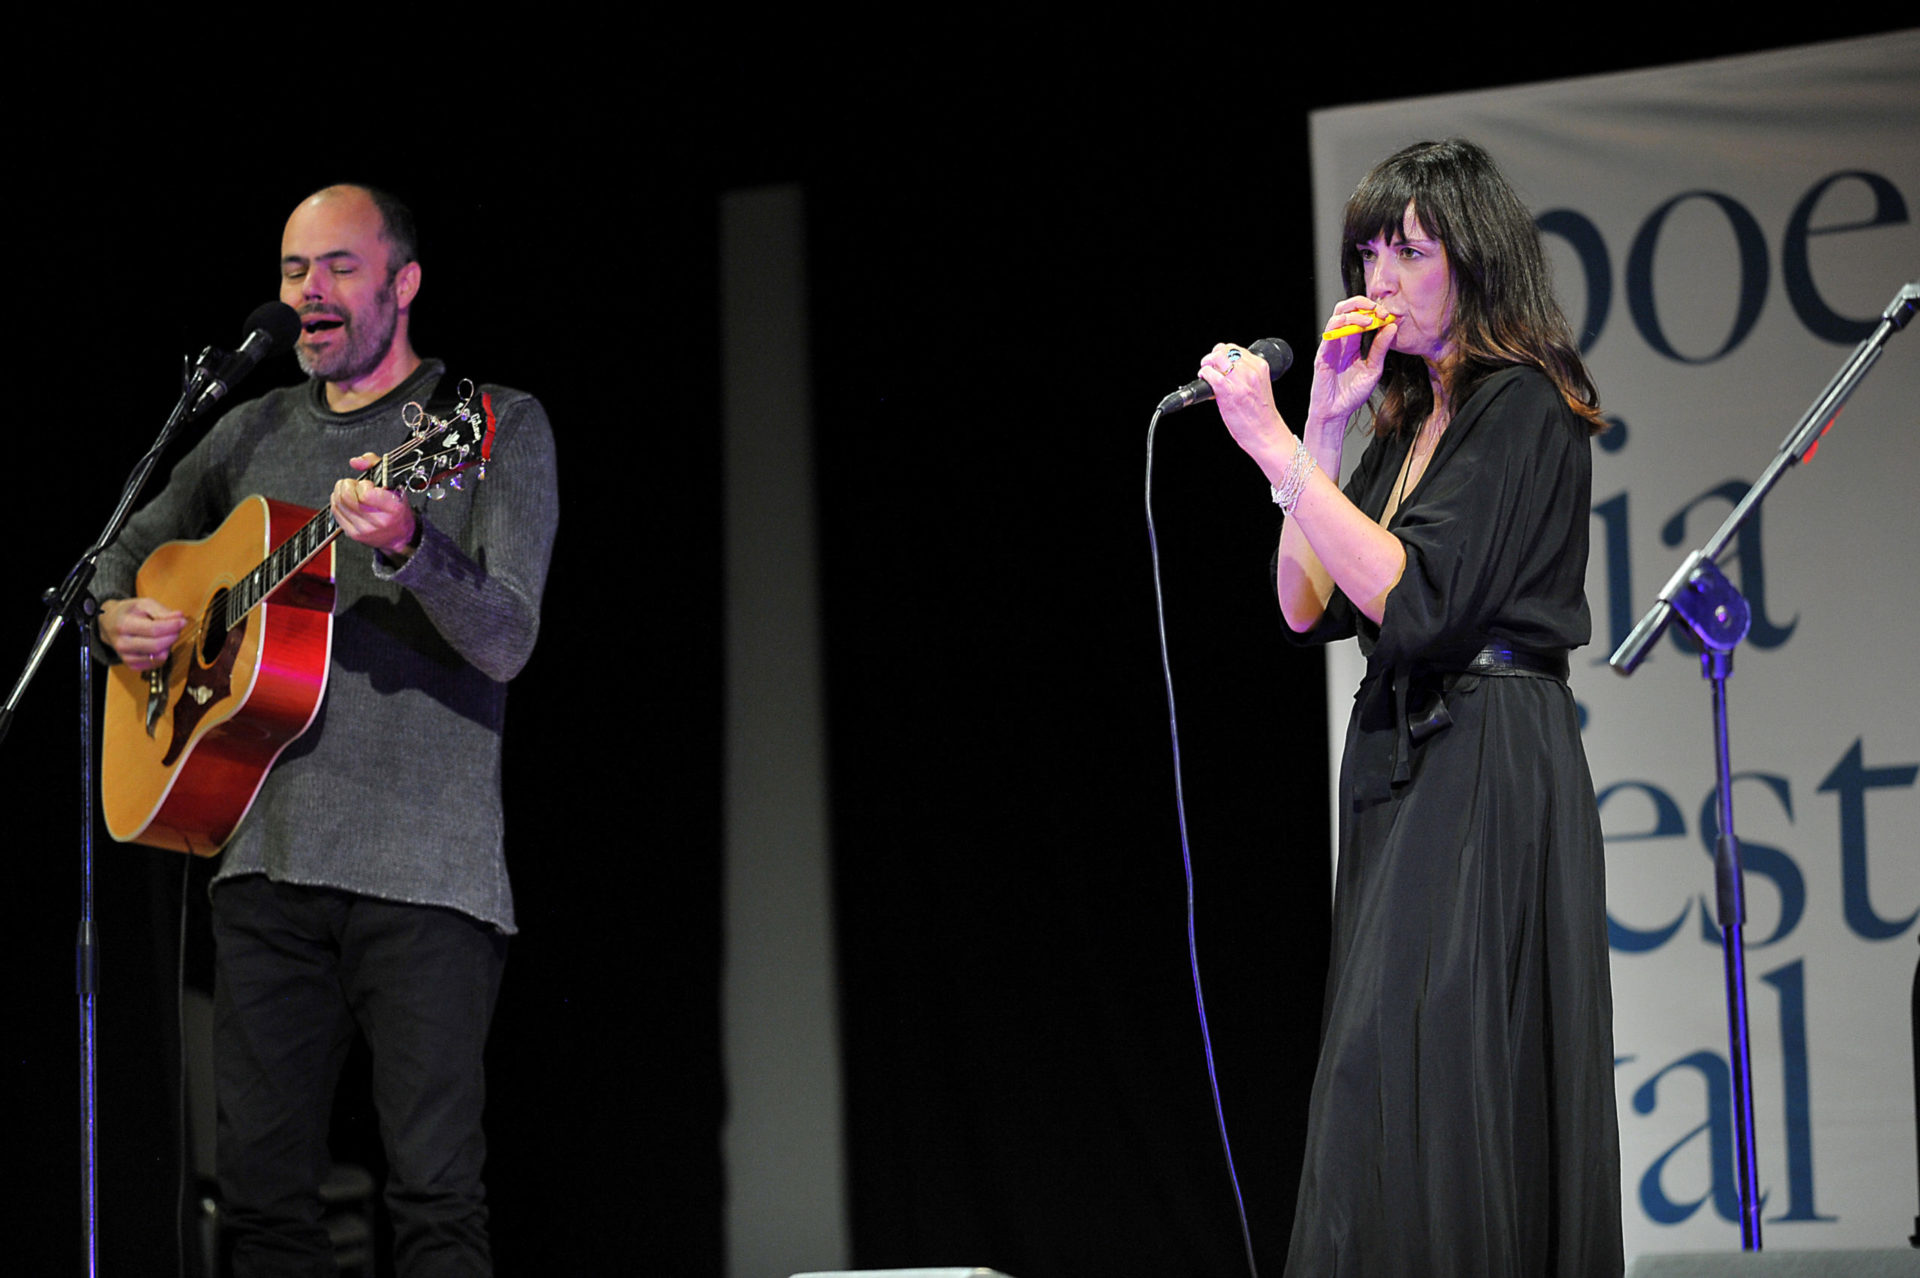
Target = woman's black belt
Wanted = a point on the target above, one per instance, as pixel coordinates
(1426, 713)
(1503, 659)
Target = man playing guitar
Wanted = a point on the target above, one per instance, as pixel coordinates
(366, 888)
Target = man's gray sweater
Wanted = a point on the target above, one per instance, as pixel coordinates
(394, 791)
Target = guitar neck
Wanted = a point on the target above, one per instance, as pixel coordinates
(282, 562)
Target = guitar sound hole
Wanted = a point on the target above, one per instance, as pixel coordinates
(213, 631)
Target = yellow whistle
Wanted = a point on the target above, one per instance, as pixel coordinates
(1379, 319)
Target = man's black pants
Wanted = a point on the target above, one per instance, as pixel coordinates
(298, 971)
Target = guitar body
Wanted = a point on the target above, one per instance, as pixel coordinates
(187, 748)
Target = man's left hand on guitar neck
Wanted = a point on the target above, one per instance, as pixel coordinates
(375, 516)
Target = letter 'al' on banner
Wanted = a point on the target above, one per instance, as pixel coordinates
(1722, 235)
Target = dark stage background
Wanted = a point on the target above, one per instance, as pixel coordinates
(1006, 270)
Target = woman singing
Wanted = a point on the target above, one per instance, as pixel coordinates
(1462, 1116)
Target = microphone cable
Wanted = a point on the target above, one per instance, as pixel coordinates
(1186, 859)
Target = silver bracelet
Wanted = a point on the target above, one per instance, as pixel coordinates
(1300, 468)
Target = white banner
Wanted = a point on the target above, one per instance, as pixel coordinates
(1723, 234)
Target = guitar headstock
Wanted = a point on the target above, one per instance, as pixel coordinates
(441, 449)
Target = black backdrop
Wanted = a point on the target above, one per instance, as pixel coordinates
(1006, 271)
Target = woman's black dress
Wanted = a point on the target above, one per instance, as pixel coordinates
(1463, 1111)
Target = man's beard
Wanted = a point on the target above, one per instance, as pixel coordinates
(362, 348)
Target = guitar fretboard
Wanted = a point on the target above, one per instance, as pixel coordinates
(281, 563)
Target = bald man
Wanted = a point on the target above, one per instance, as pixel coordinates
(366, 891)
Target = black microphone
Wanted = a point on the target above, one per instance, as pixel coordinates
(1279, 357)
(273, 326)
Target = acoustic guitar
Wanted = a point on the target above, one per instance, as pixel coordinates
(187, 745)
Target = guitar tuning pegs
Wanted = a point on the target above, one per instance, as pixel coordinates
(436, 492)
(453, 481)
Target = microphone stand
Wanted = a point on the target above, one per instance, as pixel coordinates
(1713, 609)
(70, 604)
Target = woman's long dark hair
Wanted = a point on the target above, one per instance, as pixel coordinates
(1504, 312)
